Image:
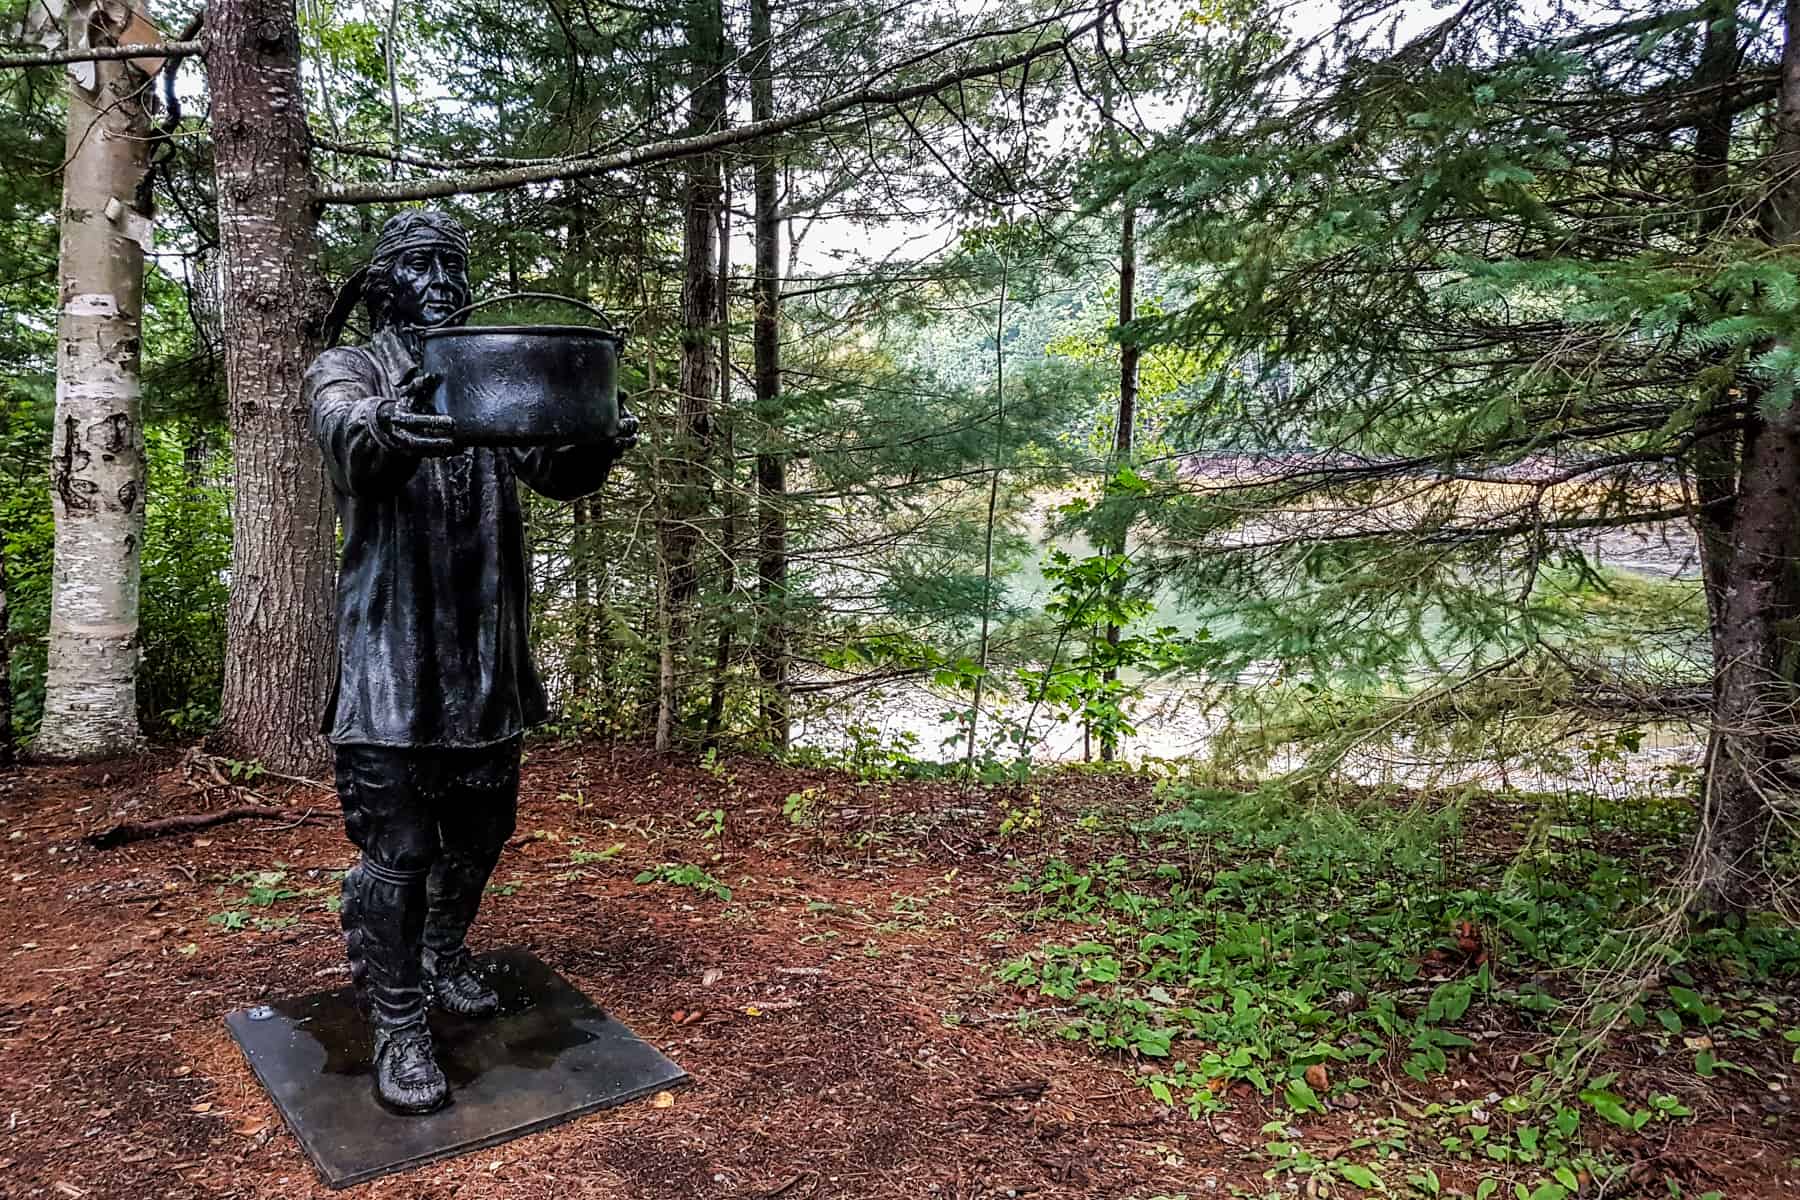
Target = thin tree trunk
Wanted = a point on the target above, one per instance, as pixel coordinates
(1753, 715)
(97, 456)
(993, 503)
(581, 666)
(393, 82)
(1716, 458)
(728, 588)
(771, 464)
(699, 309)
(8, 748)
(279, 657)
(665, 655)
(1126, 420)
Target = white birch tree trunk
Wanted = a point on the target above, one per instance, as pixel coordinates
(97, 452)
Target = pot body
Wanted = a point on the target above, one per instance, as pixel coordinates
(526, 385)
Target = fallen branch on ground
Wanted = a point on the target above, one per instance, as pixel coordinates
(138, 831)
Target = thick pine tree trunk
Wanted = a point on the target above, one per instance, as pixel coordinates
(1754, 697)
(97, 456)
(279, 657)
(702, 197)
(1753, 700)
(771, 464)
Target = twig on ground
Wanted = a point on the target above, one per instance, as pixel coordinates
(138, 831)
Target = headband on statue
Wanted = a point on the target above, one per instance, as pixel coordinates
(417, 228)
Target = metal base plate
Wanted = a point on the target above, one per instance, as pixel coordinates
(549, 1056)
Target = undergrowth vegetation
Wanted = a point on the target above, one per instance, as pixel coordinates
(1495, 978)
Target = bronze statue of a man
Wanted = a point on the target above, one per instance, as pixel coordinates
(435, 683)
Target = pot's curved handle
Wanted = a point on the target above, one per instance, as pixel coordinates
(466, 309)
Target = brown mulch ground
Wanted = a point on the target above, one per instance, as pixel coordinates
(881, 1060)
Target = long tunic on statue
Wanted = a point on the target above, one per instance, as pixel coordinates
(431, 589)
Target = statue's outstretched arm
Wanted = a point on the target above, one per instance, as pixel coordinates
(570, 472)
(344, 394)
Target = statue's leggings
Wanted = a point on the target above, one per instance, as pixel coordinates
(430, 824)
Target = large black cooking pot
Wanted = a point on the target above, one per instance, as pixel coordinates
(525, 385)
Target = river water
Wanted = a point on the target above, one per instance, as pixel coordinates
(1180, 721)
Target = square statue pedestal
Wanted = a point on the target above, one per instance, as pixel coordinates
(549, 1056)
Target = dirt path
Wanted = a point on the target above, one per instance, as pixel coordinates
(118, 1078)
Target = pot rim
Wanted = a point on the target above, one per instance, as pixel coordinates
(527, 330)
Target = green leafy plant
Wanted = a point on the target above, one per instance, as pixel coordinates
(261, 891)
(685, 875)
(1260, 939)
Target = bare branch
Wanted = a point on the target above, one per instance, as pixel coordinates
(688, 147)
(106, 54)
(485, 162)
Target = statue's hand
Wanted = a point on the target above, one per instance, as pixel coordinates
(627, 436)
(407, 425)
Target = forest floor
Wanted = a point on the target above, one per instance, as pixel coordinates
(878, 1004)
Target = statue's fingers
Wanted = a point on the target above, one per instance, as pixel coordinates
(424, 444)
(425, 424)
(419, 388)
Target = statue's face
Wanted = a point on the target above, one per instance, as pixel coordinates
(430, 282)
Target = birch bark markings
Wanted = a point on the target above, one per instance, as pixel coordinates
(97, 451)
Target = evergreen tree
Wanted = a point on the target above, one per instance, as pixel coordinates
(1510, 283)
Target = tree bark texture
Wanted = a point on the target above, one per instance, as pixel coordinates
(97, 451)
(686, 504)
(1754, 705)
(279, 657)
(771, 463)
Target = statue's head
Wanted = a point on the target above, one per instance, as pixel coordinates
(419, 274)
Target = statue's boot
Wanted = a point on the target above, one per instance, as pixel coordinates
(383, 917)
(458, 879)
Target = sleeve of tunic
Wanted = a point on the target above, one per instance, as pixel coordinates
(564, 472)
(342, 390)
